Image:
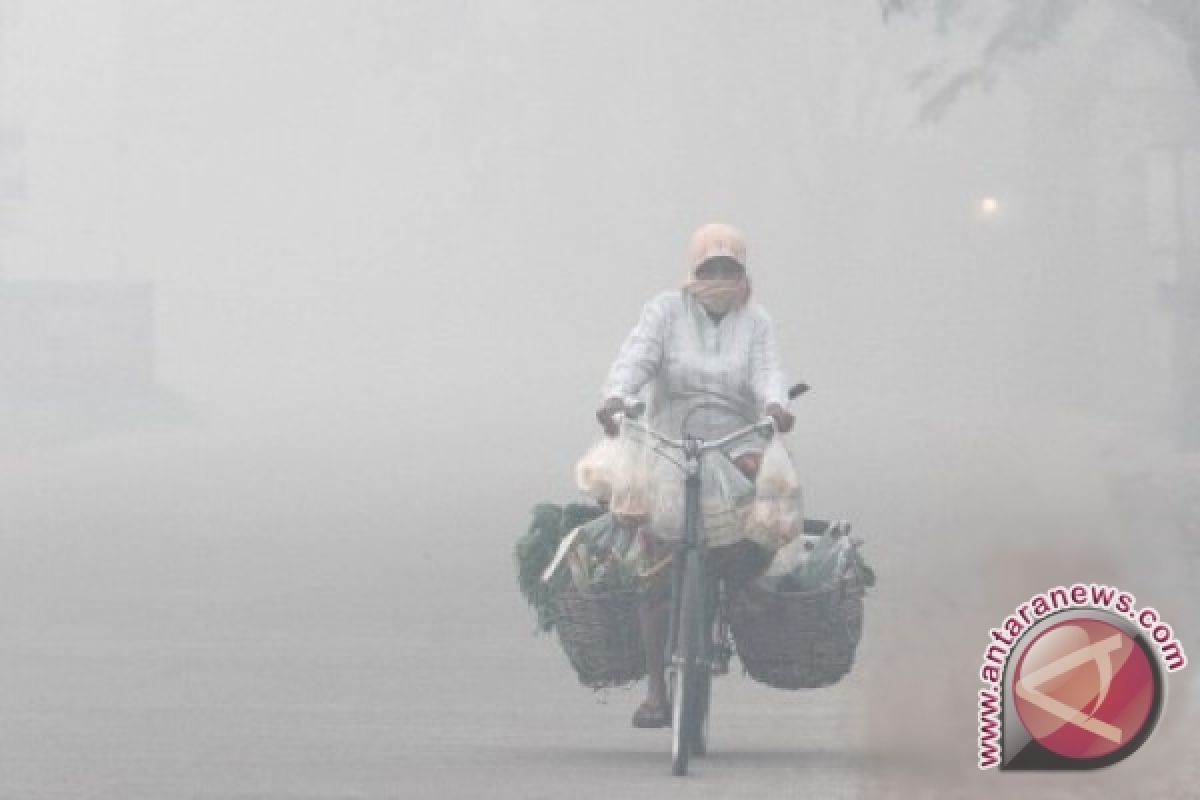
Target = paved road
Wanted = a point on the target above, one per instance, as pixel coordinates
(187, 616)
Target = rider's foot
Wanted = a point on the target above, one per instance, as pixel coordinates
(652, 715)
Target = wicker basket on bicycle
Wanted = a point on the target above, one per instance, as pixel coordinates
(598, 630)
(797, 640)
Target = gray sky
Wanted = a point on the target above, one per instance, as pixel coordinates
(390, 217)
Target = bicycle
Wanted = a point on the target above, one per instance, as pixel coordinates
(690, 631)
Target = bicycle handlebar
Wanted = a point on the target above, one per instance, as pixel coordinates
(765, 426)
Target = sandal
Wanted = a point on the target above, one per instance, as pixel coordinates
(652, 716)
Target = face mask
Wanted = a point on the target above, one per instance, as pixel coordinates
(720, 296)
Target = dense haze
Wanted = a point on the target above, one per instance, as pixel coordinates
(395, 245)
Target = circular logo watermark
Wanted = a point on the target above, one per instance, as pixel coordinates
(1074, 679)
(1085, 689)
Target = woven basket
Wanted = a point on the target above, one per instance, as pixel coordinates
(598, 630)
(797, 640)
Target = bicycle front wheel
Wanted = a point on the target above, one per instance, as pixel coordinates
(686, 711)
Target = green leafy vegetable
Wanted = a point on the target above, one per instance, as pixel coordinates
(537, 546)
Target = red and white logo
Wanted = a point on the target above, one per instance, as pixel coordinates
(1084, 689)
(1073, 679)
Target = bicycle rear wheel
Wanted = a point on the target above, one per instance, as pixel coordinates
(702, 696)
(687, 687)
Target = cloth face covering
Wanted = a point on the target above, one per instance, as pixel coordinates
(720, 295)
(719, 284)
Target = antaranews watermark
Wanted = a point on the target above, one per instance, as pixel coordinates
(1073, 679)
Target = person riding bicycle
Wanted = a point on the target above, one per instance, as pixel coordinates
(704, 348)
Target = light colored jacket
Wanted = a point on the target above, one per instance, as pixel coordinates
(713, 377)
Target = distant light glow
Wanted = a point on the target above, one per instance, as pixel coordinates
(989, 206)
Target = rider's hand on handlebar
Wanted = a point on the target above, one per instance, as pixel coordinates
(606, 413)
(784, 419)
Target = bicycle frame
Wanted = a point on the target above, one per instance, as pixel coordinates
(691, 664)
(692, 539)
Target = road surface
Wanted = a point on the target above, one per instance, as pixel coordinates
(198, 616)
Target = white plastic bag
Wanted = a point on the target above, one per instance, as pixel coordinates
(726, 497)
(776, 475)
(633, 479)
(792, 556)
(776, 517)
(822, 561)
(594, 472)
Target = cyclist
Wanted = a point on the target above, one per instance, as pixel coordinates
(705, 348)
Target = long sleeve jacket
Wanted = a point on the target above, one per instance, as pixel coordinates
(710, 377)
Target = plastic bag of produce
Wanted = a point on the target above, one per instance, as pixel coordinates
(776, 475)
(727, 495)
(792, 556)
(826, 564)
(813, 562)
(605, 553)
(594, 472)
(776, 517)
(633, 479)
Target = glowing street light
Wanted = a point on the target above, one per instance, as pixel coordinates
(989, 206)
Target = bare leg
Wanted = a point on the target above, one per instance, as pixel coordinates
(654, 622)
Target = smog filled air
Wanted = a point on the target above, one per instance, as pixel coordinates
(305, 305)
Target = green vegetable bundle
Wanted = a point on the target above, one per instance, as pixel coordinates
(536, 548)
